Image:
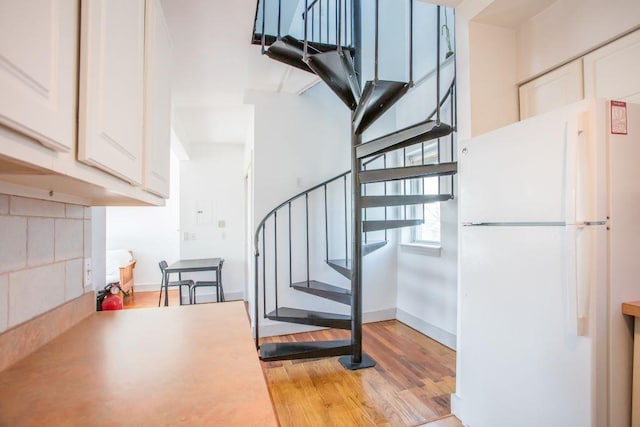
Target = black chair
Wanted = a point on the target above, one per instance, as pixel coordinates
(165, 284)
(217, 283)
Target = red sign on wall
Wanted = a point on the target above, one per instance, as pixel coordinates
(618, 117)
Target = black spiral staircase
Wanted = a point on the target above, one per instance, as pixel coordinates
(330, 47)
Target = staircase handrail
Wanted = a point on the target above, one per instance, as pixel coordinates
(286, 202)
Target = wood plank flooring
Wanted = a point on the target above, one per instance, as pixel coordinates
(149, 299)
(409, 386)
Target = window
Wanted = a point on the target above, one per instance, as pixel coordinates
(429, 232)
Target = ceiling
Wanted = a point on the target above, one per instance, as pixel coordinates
(214, 64)
(511, 13)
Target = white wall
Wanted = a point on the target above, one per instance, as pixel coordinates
(300, 142)
(213, 182)
(152, 233)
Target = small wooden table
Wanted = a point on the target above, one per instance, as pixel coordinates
(191, 265)
(633, 309)
(172, 366)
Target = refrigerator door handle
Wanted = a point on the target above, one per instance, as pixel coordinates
(578, 278)
(571, 171)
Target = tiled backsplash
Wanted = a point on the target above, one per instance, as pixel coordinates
(43, 245)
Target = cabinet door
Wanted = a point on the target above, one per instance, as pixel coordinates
(552, 90)
(157, 101)
(38, 69)
(612, 71)
(112, 86)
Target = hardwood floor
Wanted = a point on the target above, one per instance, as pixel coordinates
(409, 386)
(149, 299)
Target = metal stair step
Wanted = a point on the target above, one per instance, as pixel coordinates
(342, 266)
(394, 174)
(414, 134)
(324, 290)
(289, 50)
(377, 97)
(337, 71)
(372, 246)
(310, 317)
(418, 199)
(304, 350)
(389, 224)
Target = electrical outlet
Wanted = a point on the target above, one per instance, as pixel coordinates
(87, 272)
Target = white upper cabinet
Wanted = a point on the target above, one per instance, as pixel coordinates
(38, 69)
(112, 86)
(157, 101)
(613, 71)
(555, 89)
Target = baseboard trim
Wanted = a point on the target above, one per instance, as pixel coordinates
(25, 338)
(443, 337)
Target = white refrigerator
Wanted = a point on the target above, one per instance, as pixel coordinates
(549, 249)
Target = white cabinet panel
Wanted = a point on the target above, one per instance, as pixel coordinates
(553, 90)
(612, 71)
(157, 101)
(112, 86)
(38, 69)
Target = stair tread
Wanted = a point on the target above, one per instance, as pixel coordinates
(402, 200)
(372, 246)
(377, 97)
(394, 174)
(420, 132)
(342, 266)
(324, 290)
(337, 71)
(304, 350)
(389, 224)
(311, 317)
(289, 50)
(314, 284)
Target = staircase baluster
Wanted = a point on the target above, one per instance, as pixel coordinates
(375, 62)
(263, 39)
(410, 43)
(438, 65)
(339, 26)
(320, 21)
(305, 55)
(255, 299)
(279, 16)
(404, 181)
(306, 199)
(328, 20)
(452, 96)
(384, 165)
(326, 225)
(345, 23)
(346, 230)
(290, 253)
(364, 194)
(264, 275)
(275, 254)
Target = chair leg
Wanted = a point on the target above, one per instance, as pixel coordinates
(160, 297)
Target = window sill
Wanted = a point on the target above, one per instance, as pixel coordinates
(433, 250)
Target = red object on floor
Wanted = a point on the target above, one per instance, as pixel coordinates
(112, 302)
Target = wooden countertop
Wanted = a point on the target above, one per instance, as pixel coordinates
(631, 308)
(192, 365)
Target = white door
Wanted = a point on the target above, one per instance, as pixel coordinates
(521, 358)
(157, 101)
(553, 90)
(612, 71)
(38, 69)
(112, 86)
